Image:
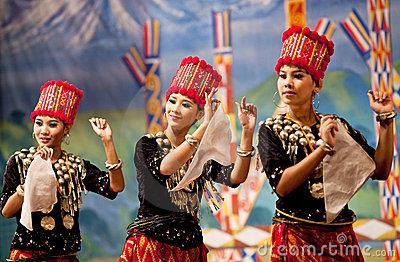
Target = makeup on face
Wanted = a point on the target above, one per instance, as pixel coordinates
(48, 131)
(181, 111)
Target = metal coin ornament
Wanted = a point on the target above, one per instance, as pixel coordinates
(48, 223)
(68, 221)
(293, 137)
(70, 172)
(47, 210)
(187, 198)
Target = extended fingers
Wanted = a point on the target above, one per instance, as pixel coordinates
(98, 122)
(243, 102)
(245, 107)
(252, 109)
(375, 96)
(206, 96)
(214, 91)
(211, 94)
(103, 123)
(370, 95)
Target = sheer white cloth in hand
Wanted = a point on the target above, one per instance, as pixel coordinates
(215, 145)
(40, 189)
(344, 173)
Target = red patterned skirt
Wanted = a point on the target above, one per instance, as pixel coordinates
(26, 255)
(299, 242)
(144, 249)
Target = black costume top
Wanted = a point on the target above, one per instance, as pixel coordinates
(170, 217)
(55, 230)
(283, 143)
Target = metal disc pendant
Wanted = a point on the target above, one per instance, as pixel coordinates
(47, 210)
(48, 223)
(68, 221)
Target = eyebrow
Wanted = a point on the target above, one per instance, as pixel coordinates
(184, 100)
(295, 71)
(188, 101)
(51, 120)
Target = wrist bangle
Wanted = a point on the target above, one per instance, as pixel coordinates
(20, 190)
(382, 117)
(326, 147)
(192, 141)
(245, 153)
(112, 167)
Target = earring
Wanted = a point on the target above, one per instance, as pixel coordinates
(318, 100)
(66, 139)
(33, 135)
(273, 101)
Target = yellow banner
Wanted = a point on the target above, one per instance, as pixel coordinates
(295, 11)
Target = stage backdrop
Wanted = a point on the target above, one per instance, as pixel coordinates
(83, 42)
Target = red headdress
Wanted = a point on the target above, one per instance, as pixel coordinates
(58, 99)
(193, 78)
(306, 49)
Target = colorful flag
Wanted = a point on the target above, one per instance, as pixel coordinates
(326, 27)
(146, 71)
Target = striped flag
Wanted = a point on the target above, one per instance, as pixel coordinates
(153, 92)
(358, 33)
(326, 27)
(145, 70)
(380, 63)
(136, 65)
(222, 31)
(151, 38)
(227, 216)
(238, 203)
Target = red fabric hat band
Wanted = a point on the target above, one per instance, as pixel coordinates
(193, 78)
(305, 49)
(58, 99)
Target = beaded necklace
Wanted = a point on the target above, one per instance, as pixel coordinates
(307, 132)
(70, 173)
(293, 135)
(316, 188)
(186, 199)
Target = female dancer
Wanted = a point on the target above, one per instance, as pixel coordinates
(293, 145)
(167, 227)
(55, 234)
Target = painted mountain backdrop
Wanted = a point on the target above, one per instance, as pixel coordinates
(82, 41)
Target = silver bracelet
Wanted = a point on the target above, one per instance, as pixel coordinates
(20, 190)
(245, 153)
(112, 167)
(192, 141)
(326, 147)
(382, 117)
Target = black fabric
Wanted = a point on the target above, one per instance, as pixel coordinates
(59, 241)
(169, 224)
(299, 203)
